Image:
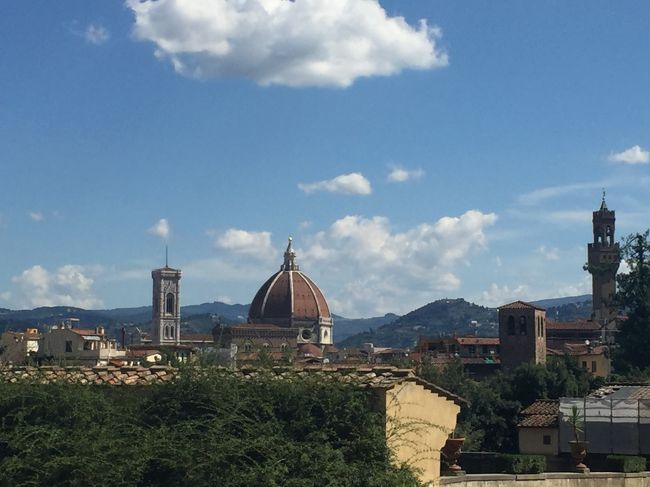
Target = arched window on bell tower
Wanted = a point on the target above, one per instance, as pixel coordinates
(511, 325)
(169, 304)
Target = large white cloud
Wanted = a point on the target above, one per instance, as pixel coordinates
(294, 43)
(69, 285)
(372, 269)
(353, 183)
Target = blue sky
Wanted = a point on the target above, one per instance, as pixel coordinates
(410, 162)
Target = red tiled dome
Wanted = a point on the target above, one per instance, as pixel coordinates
(288, 297)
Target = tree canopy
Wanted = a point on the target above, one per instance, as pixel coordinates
(203, 429)
(633, 295)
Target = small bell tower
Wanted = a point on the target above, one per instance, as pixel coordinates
(166, 319)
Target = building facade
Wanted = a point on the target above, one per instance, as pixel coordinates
(78, 346)
(522, 334)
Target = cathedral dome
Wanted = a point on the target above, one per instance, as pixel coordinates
(289, 298)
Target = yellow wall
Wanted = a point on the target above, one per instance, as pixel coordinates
(602, 363)
(418, 422)
(531, 440)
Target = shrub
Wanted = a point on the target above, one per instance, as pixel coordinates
(204, 428)
(625, 463)
(488, 462)
(519, 464)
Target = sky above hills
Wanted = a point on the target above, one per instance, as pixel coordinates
(414, 150)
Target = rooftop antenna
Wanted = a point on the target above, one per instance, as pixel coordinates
(166, 256)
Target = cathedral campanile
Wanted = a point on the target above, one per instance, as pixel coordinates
(166, 319)
(603, 260)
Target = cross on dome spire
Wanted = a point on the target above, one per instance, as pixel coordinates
(290, 258)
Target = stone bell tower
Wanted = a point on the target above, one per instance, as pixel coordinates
(166, 319)
(522, 334)
(603, 260)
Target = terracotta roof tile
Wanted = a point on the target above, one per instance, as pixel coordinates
(542, 406)
(478, 340)
(538, 421)
(572, 325)
(520, 305)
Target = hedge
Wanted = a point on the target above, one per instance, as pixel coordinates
(625, 463)
(488, 462)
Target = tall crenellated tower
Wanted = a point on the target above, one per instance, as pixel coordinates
(166, 319)
(603, 260)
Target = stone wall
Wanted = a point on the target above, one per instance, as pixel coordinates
(596, 479)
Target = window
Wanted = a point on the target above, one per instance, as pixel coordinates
(593, 366)
(522, 326)
(511, 325)
(284, 347)
(584, 364)
(266, 345)
(546, 439)
(472, 350)
(68, 346)
(172, 332)
(484, 349)
(248, 347)
(169, 303)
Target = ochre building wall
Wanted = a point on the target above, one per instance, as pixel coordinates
(418, 423)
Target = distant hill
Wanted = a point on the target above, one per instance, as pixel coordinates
(556, 302)
(346, 327)
(113, 319)
(570, 311)
(442, 317)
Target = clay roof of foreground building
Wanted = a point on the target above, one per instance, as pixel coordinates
(365, 376)
(288, 295)
(543, 413)
(520, 305)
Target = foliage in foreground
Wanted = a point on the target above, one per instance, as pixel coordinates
(489, 422)
(211, 429)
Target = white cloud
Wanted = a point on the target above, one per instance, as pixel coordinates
(353, 183)
(69, 285)
(497, 295)
(257, 244)
(293, 43)
(633, 155)
(549, 253)
(161, 229)
(540, 195)
(37, 216)
(372, 269)
(96, 34)
(399, 174)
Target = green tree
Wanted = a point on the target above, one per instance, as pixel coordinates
(634, 296)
